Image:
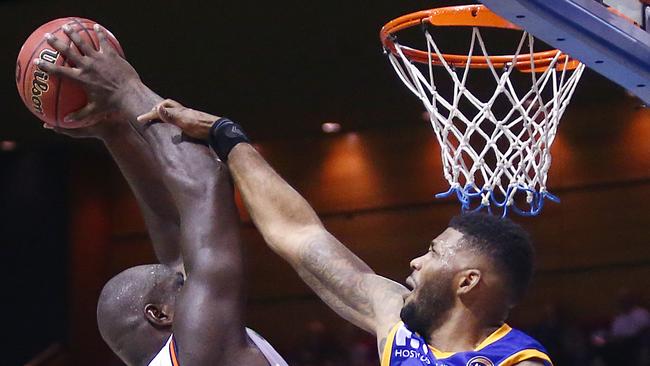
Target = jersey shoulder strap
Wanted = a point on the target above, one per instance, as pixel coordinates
(167, 356)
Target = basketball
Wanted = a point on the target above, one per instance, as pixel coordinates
(49, 97)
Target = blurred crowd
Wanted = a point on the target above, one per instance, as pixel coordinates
(322, 347)
(622, 339)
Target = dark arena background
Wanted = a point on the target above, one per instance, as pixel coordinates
(282, 69)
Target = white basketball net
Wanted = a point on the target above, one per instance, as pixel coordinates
(490, 162)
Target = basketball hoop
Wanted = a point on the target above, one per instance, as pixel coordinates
(489, 161)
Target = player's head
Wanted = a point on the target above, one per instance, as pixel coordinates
(480, 262)
(136, 309)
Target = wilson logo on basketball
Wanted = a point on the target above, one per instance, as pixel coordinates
(480, 361)
(40, 81)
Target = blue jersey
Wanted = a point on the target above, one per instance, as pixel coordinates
(504, 347)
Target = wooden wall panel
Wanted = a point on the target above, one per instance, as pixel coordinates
(129, 252)
(594, 227)
(603, 143)
(126, 217)
(360, 170)
(595, 145)
(587, 296)
(584, 232)
(285, 323)
(90, 227)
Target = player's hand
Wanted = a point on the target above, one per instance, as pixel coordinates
(106, 77)
(194, 123)
(101, 131)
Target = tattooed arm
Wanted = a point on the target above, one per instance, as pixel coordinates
(292, 229)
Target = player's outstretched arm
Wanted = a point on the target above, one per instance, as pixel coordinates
(209, 308)
(210, 305)
(293, 230)
(114, 101)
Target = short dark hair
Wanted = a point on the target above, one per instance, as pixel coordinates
(505, 243)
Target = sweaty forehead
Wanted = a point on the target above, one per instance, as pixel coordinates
(448, 240)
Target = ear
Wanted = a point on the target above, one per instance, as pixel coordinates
(157, 315)
(468, 280)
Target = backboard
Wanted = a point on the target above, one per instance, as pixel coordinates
(602, 39)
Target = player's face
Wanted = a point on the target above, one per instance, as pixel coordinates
(432, 283)
(439, 259)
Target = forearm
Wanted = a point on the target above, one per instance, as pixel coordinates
(292, 229)
(139, 167)
(278, 211)
(137, 99)
(141, 171)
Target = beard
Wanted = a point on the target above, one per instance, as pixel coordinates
(428, 309)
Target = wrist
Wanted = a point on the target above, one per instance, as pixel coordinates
(134, 84)
(224, 135)
(127, 89)
(135, 98)
(110, 130)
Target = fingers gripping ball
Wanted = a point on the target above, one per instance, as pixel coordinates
(51, 97)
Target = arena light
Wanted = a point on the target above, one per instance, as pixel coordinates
(331, 127)
(7, 145)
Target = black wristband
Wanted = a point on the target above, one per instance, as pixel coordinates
(224, 135)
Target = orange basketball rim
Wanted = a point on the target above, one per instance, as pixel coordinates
(468, 16)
